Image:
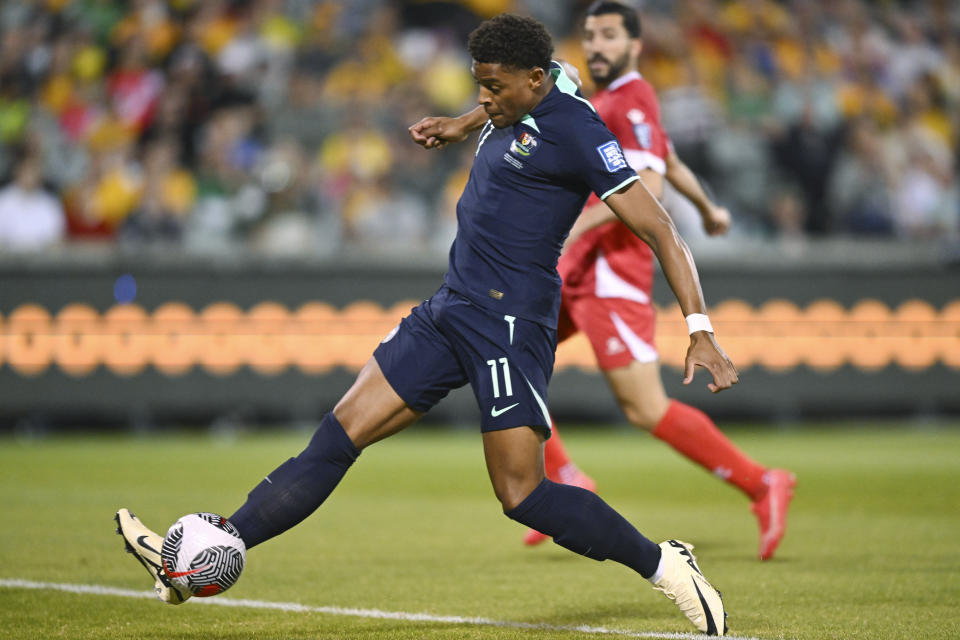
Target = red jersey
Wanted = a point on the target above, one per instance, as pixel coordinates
(610, 261)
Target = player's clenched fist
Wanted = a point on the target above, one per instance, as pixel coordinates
(717, 221)
(435, 132)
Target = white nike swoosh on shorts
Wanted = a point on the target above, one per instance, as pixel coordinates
(494, 412)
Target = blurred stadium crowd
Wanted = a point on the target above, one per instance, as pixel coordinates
(280, 125)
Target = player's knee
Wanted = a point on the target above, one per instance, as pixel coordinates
(510, 500)
(641, 416)
(512, 493)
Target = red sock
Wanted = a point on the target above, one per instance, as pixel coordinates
(692, 433)
(560, 468)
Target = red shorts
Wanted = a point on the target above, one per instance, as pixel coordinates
(620, 330)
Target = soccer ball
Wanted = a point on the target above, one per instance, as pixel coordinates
(203, 554)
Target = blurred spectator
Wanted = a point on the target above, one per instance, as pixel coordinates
(381, 216)
(30, 217)
(691, 118)
(913, 56)
(787, 214)
(805, 150)
(445, 227)
(133, 87)
(14, 109)
(280, 124)
(744, 170)
(860, 197)
(167, 196)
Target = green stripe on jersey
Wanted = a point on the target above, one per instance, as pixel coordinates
(566, 85)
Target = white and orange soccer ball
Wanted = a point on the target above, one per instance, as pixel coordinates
(203, 554)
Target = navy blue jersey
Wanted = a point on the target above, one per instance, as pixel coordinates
(528, 184)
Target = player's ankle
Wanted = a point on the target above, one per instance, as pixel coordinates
(758, 490)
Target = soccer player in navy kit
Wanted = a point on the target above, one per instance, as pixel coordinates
(608, 279)
(493, 324)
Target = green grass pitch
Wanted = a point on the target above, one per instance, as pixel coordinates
(871, 551)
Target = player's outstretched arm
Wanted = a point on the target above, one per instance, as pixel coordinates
(640, 211)
(716, 219)
(434, 132)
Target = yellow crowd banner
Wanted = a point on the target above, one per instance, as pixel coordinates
(270, 338)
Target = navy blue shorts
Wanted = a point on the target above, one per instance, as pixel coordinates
(448, 341)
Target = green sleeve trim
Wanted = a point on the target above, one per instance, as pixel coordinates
(619, 186)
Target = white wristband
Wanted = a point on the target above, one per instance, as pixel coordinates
(698, 322)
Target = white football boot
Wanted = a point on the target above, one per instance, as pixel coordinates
(145, 546)
(683, 582)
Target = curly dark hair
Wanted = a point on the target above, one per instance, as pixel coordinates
(513, 41)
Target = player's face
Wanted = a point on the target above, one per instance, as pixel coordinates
(505, 93)
(609, 49)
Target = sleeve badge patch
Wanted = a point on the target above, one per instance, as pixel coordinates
(612, 156)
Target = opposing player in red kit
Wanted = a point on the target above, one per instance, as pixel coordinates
(607, 276)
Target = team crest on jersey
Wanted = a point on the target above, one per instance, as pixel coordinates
(612, 156)
(525, 145)
(641, 130)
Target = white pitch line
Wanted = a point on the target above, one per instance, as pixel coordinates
(100, 590)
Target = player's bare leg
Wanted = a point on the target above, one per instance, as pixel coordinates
(514, 460)
(639, 390)
(371, 410)
(641, 395)
(582, 522)
(559, 468)
(558, 465)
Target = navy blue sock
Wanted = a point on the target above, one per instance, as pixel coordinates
(582, 522)
(296, 488)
